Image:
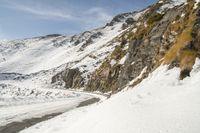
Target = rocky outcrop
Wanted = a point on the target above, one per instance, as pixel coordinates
(105, 78)
(146, 49)
(196, 33)
(73, 78)
(56, 78)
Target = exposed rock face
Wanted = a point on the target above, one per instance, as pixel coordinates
(72, 78)
(90, 40)
(105, 78)
(57, 77)
(121, 17)
(196, 33)
(146, 51)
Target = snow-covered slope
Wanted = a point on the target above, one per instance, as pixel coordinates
(160, 104)
(43, 53)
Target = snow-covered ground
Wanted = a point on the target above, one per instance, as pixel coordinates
(160, 104)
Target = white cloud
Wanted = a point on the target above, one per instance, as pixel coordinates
(97, 13)
(39, 11)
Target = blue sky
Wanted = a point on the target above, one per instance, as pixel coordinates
(29, 18)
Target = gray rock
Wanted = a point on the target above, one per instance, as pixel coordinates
(72, 78)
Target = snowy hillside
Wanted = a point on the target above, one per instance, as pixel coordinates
(43, 53)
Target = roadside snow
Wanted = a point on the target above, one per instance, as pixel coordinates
(159, 104)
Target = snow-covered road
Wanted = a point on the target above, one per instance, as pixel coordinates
(14, 113)
(16, 118)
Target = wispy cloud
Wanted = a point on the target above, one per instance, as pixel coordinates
(71, 20)
(99, 13)
(92, 16)
(40, 11)
(48, 13)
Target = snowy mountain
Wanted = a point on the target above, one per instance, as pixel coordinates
(147, 62)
